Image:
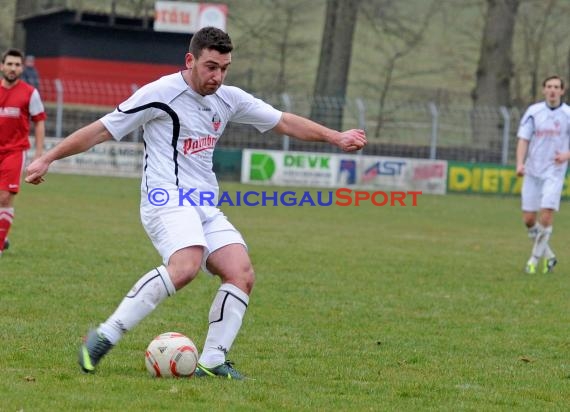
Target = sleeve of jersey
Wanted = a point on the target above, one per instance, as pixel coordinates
(253, 111)
(526, 126)
(37, 111)
(126, 117)
(567, 111)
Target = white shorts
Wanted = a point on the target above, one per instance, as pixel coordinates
(538, 193)
(173, 227)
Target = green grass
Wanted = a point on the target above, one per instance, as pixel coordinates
(355, 308)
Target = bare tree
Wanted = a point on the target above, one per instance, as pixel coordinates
(284, 43)
(495, 68)
(6, 24)
(558, 46)
(534, 24)
(398, 35)
(334, 62)
(271, 43)
(23, 8)
(541, 48)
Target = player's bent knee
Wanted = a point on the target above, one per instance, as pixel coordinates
(182, 273)
(184, 265)
(243, 277)
(546, 217)
(5, 198)
(249, 279)
(529, 222)
(529, 219)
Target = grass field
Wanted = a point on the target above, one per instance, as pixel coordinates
(355, 308)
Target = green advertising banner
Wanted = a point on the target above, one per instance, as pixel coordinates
(464, 177)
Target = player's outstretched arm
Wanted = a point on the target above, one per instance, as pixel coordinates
(77, 142)
(305, 129)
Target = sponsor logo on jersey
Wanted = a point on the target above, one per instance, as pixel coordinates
(548, 132)
(553, 129)
(9, 112)
(216, 122)
(192, 146)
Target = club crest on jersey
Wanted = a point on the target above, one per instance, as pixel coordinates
(216, 122)
(192, 146)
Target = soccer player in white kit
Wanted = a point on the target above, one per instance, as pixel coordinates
(183, 116)
(542, 158)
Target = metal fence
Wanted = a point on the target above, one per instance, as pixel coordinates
(406, 129)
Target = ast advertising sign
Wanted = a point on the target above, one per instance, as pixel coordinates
(397, 173)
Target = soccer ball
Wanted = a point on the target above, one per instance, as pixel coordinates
(171, 354)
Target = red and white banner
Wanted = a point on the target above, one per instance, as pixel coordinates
(181, 17)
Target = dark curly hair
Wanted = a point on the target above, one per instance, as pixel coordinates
(13, 53)
(210, 38)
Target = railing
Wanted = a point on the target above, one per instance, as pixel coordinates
(407, 129)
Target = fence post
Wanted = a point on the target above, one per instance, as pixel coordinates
(506, 134)
(59, 108)
(287, 108)
(434, 127)
(361, 107)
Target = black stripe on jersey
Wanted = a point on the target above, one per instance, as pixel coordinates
(175, 128)
(145, 164)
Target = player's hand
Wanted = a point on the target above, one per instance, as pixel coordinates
(560, 158)
(352, 140)
(36, 171)
(520, 170)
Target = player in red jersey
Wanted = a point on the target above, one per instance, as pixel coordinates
(19, 102)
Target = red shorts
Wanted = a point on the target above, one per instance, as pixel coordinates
(11, 168)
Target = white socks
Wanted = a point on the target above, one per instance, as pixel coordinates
(225, 318)
(541, 239)
(226, 314)
(146, 294)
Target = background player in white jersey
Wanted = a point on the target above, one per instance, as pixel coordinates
(183, 116)
(542, 157)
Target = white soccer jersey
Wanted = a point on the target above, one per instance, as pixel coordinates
(548, 131)
(181, 129)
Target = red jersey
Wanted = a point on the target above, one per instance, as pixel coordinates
(17, 105)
